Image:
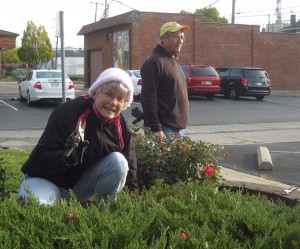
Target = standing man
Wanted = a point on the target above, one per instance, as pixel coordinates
(164, 95)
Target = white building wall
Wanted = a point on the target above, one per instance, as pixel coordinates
(73, 65)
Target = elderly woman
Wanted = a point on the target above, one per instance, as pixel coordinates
(86, 146)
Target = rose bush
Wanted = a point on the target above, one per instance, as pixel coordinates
(175, 160)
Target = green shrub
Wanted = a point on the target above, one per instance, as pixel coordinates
(76, 78)
(177, 160)
(10, 171)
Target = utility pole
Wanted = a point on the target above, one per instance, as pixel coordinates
(96, 5)
(278, 12)
(106, 7)
(233, 12)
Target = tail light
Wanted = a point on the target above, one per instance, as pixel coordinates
(269, 81)
(71, 85)
(244, 81)
(38, 85)
(139, 83)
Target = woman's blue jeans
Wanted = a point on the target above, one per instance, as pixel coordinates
(104, 178)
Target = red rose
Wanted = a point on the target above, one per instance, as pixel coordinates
(209, 171)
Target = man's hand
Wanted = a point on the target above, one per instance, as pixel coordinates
(160, 135)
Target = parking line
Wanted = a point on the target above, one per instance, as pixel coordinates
(286, 152)
(9, 105)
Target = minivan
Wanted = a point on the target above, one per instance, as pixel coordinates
(244, 81)
(201, 80)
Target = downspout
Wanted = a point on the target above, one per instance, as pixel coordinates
(194, 40)
(252, 45)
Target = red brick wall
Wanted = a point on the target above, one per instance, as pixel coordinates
(213, 44)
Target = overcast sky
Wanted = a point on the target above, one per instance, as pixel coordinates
(14, 15)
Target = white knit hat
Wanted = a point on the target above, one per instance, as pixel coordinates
(117, 75)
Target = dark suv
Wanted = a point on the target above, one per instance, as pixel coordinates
(201, 80)
(244, 81)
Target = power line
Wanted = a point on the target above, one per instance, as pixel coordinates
(106, 8)
(267, 10)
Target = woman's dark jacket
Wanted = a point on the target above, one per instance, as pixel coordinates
(46, 159)
(164, 93)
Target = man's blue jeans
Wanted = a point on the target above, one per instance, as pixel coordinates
(170, 131)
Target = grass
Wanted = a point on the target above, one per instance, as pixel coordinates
(9, 79)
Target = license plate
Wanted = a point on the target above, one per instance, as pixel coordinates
(259, 83)
(55, 84)
(206, 83)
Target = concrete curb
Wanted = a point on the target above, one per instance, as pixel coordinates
(264, 158)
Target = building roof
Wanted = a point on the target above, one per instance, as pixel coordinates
(126, 18)
(3, 32)
(294, 28)
(72, 53)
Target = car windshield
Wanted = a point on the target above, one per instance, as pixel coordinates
(256, 74)
(204, 71)
(48, 74)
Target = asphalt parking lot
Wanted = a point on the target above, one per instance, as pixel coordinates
(285, 158)
(241, 140)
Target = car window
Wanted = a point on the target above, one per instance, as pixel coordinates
(29, 76)
(137, 74)
(223, 72)
(185, 70)
(129, 73)
(204, 71)
(49, 74)
(235, 72)
(254, 73)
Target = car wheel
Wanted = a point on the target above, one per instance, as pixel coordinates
(210, 96)
(226, 95)
(29, 102)
(20, 95)
(233, 93)
(259, 97)
(137, 97)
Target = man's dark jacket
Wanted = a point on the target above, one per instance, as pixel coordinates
(46, 159)
(164, 93)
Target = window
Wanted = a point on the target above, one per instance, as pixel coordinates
(256, 74)
(236, 72)
(45, 75)
(204, 71)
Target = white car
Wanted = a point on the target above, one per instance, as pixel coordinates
(45, 85)
(135, 76)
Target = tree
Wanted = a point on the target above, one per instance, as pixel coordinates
(210, 14)
(10, 56)
(36, 47)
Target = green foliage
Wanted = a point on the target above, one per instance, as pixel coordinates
(76, 78)
(10, 56)
(211, 14)
(178, 159)
(8, 78)
(36, 47)
(182, 215)
(10, 174)
(156, 219)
